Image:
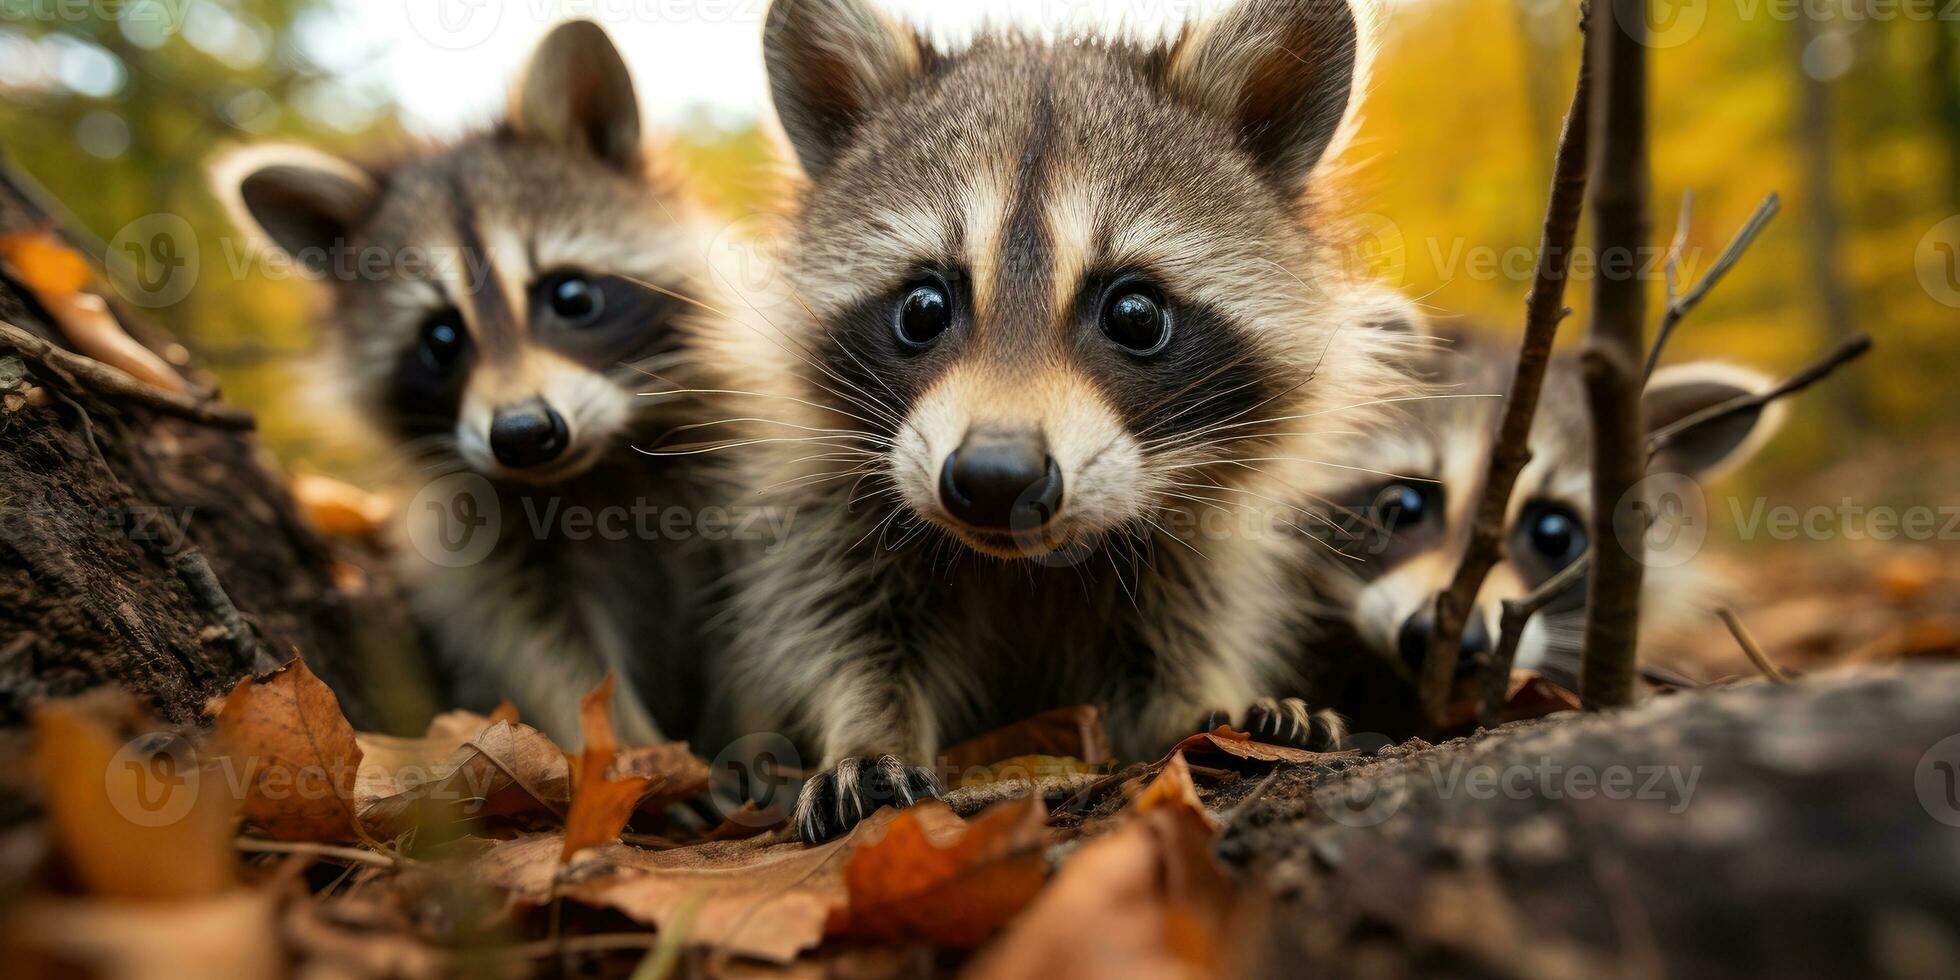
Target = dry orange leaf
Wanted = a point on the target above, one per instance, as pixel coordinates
(296, 754)
(233, 935)
(1238, 745)
(46, 264)
(1068, 733)
(673, 774)
(503, 770)
(134, 818)
(601, 801)
(906, 886)
(340, 509)
(1173, 789)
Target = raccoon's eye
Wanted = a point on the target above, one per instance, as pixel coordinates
(1555, 533)
(1400, 506)
(443, 341)
(924, 314)
(575, 299)
(1136, 320)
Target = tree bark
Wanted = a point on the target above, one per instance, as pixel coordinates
(141, 544)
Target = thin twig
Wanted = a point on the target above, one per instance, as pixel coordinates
(1613, 357)
(1678, 307)
(351, 855)
(1511, 450)
(1747, 641)
(1517, 615)
(93, 374)
(1852, 349)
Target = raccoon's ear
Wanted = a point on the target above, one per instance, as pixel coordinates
(830, 62)
(1281, 72)
(1709, 450)
(300, 201)
(577, 93)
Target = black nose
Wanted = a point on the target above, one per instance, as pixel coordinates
(528, 435)
(1417, 633)
(1002, 481)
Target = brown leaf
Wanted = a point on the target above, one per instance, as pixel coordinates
(1146, 899)
(758, 898)
(46, 264)
(1068, 733)
(133, 818)
(504, 770)
(1227, 744)
(296, 753)
(1173, 789)
(232, 935)
(602, 802)
(340, 509)
(905, 886)
(673, 774)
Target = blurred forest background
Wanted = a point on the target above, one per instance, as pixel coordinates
(1853, 116)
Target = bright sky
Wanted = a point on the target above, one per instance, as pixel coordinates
(448, 61)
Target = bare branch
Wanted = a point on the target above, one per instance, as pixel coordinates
(1544, 310)
(113, 381)
(1678, 307)
(1747, 641)
(1613, 356)
(1518, 614)
(1851, 350)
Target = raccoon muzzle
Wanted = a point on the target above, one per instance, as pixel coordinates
(1002, 481)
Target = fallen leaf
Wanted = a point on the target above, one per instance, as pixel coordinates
(602, 800)
(505, 770)
(340, 509)
(1024, 769)
(1228, 744)
(759, 898)
(1173, 789)
(673, 774)
(231, 935)
(907, 887)
(134, 818)
(46, 264)
(296, 754)
(1068, 733)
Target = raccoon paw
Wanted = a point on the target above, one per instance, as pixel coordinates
(1286, 721)
(833, 802)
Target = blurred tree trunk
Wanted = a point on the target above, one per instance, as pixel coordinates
(1946, 103)
(1824, 238)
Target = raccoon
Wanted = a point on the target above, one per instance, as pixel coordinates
(1401, 529)
(1063, 309)
(554, 258)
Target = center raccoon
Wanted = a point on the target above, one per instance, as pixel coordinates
(1055, 303)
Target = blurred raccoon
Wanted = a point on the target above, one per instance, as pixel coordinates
(1065, 305)
(548, 304)
(1401, 536)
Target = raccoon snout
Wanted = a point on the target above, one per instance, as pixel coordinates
(1417, 632)
(528, 435)
(1002, 481)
